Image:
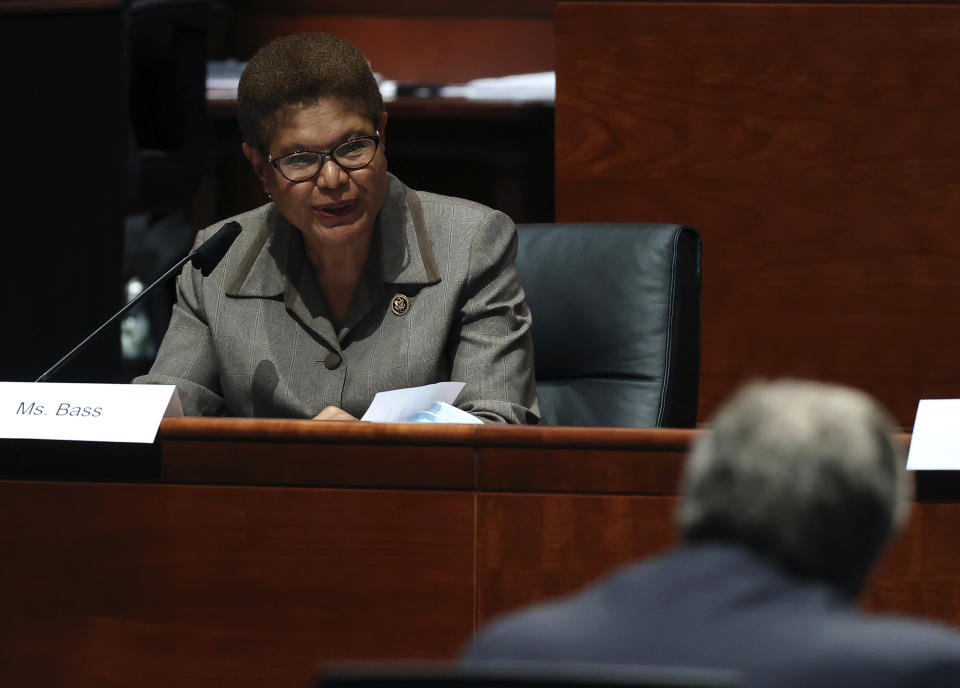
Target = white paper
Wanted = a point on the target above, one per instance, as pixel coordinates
(442, 412)
(935, 443)
(87, 412)
(541, 86)
(399, 405)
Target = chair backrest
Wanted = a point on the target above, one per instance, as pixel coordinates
(616, 322)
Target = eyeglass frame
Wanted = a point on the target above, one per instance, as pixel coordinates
(323, 157)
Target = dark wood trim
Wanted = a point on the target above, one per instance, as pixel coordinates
(465, 8)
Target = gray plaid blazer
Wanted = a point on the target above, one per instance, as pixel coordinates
(254, 337)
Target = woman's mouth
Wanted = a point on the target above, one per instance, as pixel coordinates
(335, 209)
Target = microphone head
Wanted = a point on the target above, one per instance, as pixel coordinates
(213, 249)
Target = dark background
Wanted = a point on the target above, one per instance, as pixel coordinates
(114, 160)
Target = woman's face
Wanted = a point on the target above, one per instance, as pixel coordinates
(337, 206)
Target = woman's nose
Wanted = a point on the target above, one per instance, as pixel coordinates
(331, 174)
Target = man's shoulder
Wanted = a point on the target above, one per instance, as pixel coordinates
(539, 633)
(856, 648)
(861, 634)
(720, 608)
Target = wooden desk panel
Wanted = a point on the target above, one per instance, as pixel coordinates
(257, 562)
(158, 585)
(532, 547)
(920, 574)
(584, 460)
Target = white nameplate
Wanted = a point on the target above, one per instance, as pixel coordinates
(88, 412)
(935, 443)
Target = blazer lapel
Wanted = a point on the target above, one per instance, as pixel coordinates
(401, 249)
(261, 271)
(407, 254)
(276, 266)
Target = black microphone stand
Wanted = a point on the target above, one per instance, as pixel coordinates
(205, 257)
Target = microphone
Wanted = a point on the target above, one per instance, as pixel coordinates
(205, 257)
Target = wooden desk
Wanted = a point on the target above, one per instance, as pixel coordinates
(243, 552)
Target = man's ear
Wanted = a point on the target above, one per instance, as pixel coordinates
(259, 163)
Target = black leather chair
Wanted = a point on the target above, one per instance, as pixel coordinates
(616, 322)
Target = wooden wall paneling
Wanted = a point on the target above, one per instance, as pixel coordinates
(158, 585)
(532, 547)
(920, 573)
(815, 148)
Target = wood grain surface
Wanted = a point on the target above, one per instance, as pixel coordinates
(920, 570)
(247, 551)
(815, 148)
(532, 547)
(158, 585)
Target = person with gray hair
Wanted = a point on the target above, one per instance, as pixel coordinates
(786, 502)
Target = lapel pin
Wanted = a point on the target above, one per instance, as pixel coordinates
(400, 304)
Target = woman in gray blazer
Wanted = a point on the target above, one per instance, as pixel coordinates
(348, 283)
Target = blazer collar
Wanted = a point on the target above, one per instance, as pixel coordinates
(406, 255)
(263, 268)
(269, 267)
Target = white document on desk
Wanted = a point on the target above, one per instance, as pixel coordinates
(399, 405)
(935, 442)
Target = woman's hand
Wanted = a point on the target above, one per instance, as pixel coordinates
(333, 413)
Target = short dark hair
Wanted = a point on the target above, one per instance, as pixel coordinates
(808, 474)
(296, 71)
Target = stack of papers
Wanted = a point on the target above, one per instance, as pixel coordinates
(538, 87)
(427, 404)
(223, 77)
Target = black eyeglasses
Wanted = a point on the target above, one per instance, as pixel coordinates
(354, 154)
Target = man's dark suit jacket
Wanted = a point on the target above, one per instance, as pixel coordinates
(723, 607)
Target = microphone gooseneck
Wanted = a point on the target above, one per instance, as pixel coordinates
(205, 257)
(209, 253)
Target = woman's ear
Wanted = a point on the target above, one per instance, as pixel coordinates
(383, 127)
(259, 163)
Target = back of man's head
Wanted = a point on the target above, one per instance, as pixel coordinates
(808, 474)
